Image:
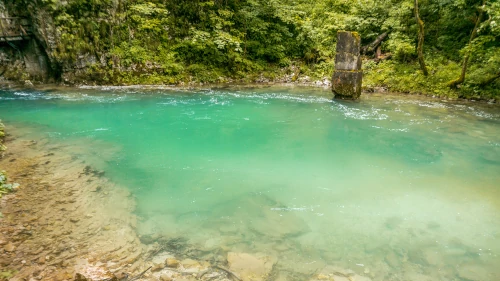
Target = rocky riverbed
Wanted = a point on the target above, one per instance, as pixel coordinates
(64, 218)
(67, 221)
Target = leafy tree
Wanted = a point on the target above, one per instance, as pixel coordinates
(166, 41)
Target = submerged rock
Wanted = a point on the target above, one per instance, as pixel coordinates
(165, 277)
(157, 266)
(172, 263)
(251, 267)
(189, 263)
(262, 215)
(339, 274)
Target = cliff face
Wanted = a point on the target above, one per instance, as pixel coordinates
(146, 42)
(26, 58)
(41, 57)
(69, 41)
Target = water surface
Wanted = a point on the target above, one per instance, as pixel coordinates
(392, 187)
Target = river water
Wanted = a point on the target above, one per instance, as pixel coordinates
(391, 187)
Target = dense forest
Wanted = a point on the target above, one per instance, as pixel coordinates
(441, 47)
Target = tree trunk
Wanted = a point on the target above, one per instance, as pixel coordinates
(420, 44)
(375, 44)
(461, 79)
(378, 52)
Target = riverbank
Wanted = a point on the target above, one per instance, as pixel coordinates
(324, 84)
(67, 221)
(53, 226)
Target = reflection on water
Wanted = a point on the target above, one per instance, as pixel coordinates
(393, 188)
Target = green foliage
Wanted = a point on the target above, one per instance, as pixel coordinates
(402, 48)
(7, 274)
(4, 186)
(169, 42)
(406, 78)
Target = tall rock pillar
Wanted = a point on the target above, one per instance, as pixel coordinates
(347, 78)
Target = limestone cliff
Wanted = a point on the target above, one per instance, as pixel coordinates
(27, 57)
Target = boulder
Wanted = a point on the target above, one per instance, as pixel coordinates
(189, 263)
(172, 263)
(251, 267)
(157, 267)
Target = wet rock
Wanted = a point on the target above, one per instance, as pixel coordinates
(172, 263)
(149, 238)
(250, 267)
(79, 277)
(189, 263)
(165, 277)
(157, 267)
(9, 247)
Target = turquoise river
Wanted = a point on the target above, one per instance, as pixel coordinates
(391, 187)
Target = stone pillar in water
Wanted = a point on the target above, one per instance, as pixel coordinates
(347, 78)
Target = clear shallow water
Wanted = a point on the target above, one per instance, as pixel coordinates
(394, 188)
